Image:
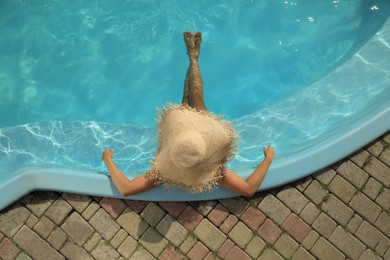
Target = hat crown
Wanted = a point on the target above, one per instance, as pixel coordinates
(188, 149)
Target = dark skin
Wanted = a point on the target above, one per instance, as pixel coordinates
(192, 96)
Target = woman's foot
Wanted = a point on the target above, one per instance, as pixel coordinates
(193, 44)
(198, 41)
(189, 39)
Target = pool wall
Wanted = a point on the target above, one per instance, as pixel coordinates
(333, 144)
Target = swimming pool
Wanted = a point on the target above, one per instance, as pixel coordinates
(310, 79)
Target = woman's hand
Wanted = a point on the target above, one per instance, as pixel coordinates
(269, 153)
(107, 154)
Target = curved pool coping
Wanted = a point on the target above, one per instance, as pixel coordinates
(334, 145)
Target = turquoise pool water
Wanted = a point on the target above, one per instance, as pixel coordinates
(78, 77)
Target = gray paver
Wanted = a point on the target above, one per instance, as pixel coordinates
(379, 171)
(324, 225)
(354, 223)
(369, 235)
(58, 210)
(387, 255)
(325, 176)
(342, 189)
(375, 148)
(57, 238)
(383, 199)
(204, 207)
(77, 228)
(72, 251)
(90, 210)
(44, 227)
(188, 243)
(153, 214)
(371, 188)
(360, 157)
(22, 256)
(302, 254)
(365, 207)
(142, 254)
(286, 246)
(119, 237)
(369, 255)
(104, 251)
(31, 221)
(132, 223)
(293, 199)
(127, 248)
(383, 223)
(301, 185)
(382, 246)
(270, 254)
(325, 250)
(385, 157)
(153, 241)
(92, 241)
(274, 209)
(311, 239)
(38, 202)
(315, 192)
(210, 235)
(236, 205)
(337, 210)
(34, 245)
(255, 246)
(77, 201)
(240, 235)
(12, 219)
(172, 230)
(104, 224)
(347, 243)
(310, 213)
(353, 174)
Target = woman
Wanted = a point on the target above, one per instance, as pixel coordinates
(194, 145)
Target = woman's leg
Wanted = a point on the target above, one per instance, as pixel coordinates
(193, 77)
(186, 92)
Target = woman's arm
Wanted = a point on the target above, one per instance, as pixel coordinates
(125, 186)
(249, 186)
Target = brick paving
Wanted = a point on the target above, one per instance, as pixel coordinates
(341, 212)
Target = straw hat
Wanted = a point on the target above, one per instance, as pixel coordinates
(193, 146)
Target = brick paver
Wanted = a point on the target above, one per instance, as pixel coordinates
(10, 251)
(341, 212)
(218, 215)
(199, 251)
(269, 231)
(253, 218)
(296, 227)
(190, 218)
